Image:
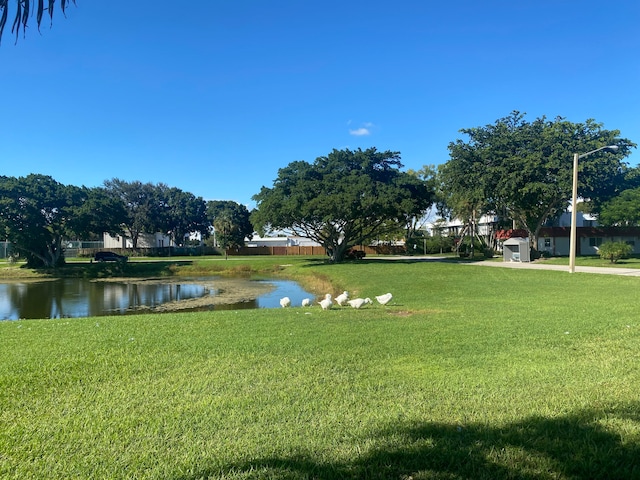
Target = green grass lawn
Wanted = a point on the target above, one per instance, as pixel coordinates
(596, 261)
(470, 372)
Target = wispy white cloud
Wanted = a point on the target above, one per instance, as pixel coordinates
(359, 132)
(365, 129)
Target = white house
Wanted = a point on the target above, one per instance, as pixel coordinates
(589, 236)
(145, 240)
(454, 227)
(288, 241)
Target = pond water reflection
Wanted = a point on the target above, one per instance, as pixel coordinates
(70, 298)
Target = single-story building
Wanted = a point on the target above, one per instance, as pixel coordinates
(145, 240)
(288, 241)
(556, 240)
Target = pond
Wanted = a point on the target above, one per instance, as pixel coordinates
(72, 297)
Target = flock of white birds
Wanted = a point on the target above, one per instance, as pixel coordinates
(342, 300)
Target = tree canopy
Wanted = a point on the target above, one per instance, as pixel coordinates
(231, 222)
(428, 175)
(158, 208)
(143, 207)
(24, 11)
(184, 213)
(343, 199)
(37, 213)
(524, 169)
(623, 210)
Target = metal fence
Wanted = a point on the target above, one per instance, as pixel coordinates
(5, 249)
(74, 248)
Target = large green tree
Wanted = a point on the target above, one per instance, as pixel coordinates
(155, 208)
(37, 213)
(24, 9)
(231, 222)
(341, 200)
(145, 209)
(184, 214)
(96, 212)
(428, 176)
(524, 169)
(464, 191)
(623, 210)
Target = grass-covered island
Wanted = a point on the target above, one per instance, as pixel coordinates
(469, 373)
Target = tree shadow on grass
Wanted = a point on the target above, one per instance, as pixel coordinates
(371, 260)
(132, 269)
(400, 260)
(582, 445)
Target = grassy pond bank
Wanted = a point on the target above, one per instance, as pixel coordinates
(470, 372)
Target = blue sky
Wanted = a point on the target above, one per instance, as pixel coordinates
(213, 97)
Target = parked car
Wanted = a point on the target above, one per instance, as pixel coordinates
(109, 257)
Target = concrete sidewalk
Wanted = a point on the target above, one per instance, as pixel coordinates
(629, 272)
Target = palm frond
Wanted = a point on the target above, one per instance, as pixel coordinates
(4, 9)
(24, 11)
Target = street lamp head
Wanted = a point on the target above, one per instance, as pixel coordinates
(612, 148)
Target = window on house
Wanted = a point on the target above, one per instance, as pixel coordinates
(595, 241)
(547, 243)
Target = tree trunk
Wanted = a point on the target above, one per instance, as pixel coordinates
(49, 258)
(336, 251)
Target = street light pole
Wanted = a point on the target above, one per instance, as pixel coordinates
(574, 201)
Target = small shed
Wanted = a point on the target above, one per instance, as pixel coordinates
(516, 249)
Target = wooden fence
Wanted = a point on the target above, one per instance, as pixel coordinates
(297, 250)
(243, 251)
(309, 250)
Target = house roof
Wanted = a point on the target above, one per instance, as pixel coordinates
(516, 241)
(512, 232)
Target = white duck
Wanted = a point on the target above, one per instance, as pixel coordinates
(358, 302)
(285, 302)
(384, 299)
(326, 303)
(342, 298)
(306, 302)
